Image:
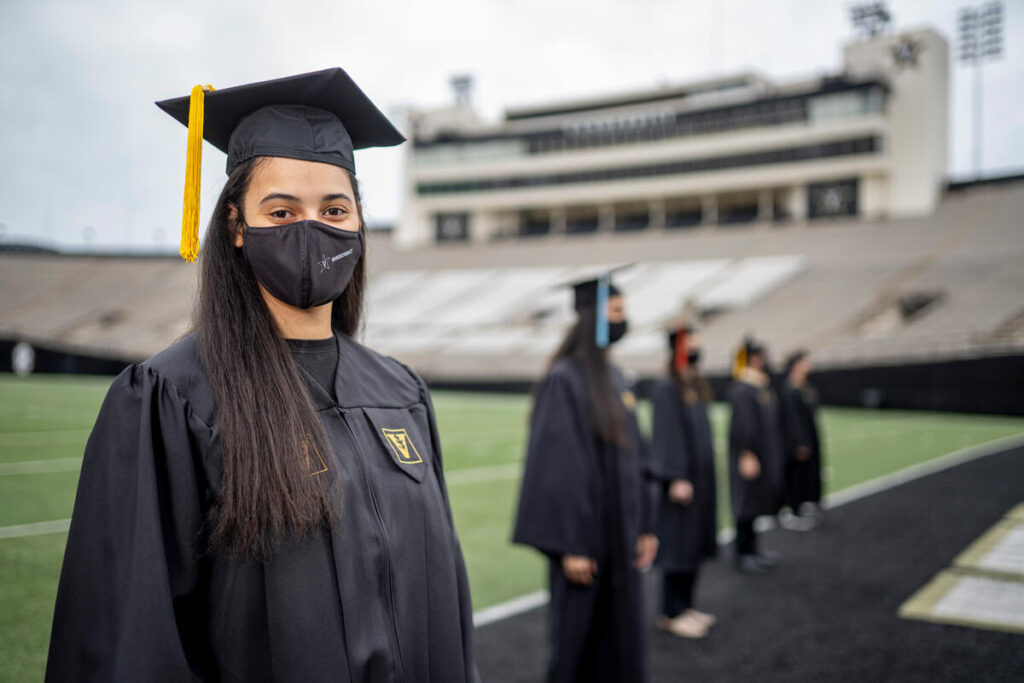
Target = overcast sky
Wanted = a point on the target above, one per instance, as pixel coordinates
(87, 160)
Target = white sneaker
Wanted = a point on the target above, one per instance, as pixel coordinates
(684, 626)
(708, 620)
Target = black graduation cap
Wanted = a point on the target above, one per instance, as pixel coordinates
(318, 116)
(585, 291)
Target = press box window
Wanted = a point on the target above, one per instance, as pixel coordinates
(452, 227)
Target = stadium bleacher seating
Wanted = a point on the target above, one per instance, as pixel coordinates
(496, 310)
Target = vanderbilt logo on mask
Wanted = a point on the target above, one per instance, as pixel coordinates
(326, 261)
(402, 446)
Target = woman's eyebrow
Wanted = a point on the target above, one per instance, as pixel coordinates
(336, 195)
(279, 195)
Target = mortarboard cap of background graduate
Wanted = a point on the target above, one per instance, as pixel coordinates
(585, 289)
(319, 116)
(594, 290)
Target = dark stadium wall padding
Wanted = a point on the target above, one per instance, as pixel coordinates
(993, 385)
(48, 361)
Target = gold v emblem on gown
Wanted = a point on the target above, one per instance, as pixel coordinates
(402, 446)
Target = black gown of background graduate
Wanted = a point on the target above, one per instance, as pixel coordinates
(682, 448)
(754, 426)
(581, 496)
(381, 595)
(799, 407)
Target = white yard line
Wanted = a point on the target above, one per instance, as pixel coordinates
(504, 610)
(525, 603)
(35, 529)
(40, 466)
(908, 474)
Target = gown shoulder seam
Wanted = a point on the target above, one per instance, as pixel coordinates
(172, 386)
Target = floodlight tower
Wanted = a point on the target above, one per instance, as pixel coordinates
(981, 41)
(870, 19)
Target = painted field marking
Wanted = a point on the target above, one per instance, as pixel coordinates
(35, 529)
(40, 466)
(478, 475)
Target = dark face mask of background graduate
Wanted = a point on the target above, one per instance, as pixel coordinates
(618, 325)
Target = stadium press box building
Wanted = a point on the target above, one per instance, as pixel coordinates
(869, 142)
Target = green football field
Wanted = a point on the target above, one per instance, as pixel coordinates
(45, 421)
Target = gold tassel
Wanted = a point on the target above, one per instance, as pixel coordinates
(740, 362)
(193, 169)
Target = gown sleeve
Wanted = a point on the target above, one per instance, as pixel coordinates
(559, 507)
(462, 577)
(671, 461)
(125, 602)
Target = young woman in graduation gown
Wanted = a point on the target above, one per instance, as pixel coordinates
(683, 459)
(264, 500)
(799, 408)
(755, 453)
(586, 502)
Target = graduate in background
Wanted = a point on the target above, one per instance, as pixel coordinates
(799, 407)
(683, 460)
(755, 453)
(264, 500)
(585, 501)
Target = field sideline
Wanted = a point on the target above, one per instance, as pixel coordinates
(45, 421)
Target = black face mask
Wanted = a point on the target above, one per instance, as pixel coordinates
(306, 263)
(617, 330)
(693, 357)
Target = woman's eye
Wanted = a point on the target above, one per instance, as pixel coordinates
(280, 214)
(336, 212)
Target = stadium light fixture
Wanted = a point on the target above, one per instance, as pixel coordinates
(870, 19)
(980, 41)
(462, 87)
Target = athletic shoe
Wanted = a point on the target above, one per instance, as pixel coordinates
(683, 627)
(708, 620)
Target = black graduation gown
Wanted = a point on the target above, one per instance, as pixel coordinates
(683, 448)
(799, 407)
(382, 595)
(581, 496)
(754, 426)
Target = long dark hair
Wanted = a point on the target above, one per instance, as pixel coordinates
(604, 404)
(692, 385)
(269, 431)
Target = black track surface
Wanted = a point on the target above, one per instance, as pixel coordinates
(829, 611)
